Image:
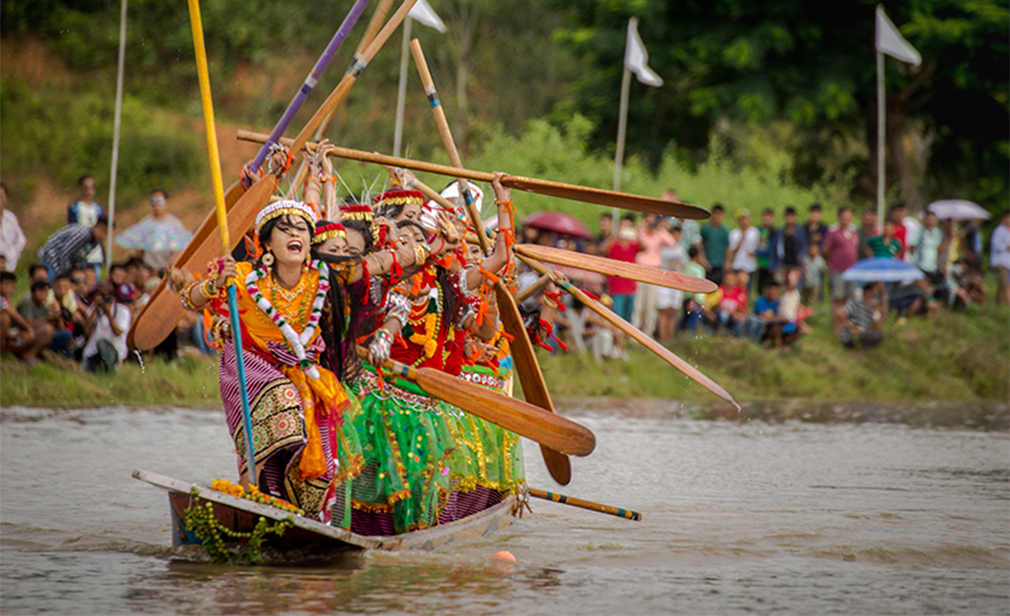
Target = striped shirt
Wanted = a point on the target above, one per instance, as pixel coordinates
(860, 315)
(68, 247)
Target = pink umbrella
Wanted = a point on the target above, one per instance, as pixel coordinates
(557, 222)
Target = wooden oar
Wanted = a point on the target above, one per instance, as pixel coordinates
(533, 289)
(524, 358)
(622, 269)
(584, 504)
(573, 192)
(520, 417)
(161, 314)
(373, 28)
(222, 220)
(635, 333)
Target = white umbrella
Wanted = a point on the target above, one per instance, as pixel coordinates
(958, 209)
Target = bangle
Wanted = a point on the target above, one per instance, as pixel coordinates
(187, 290)
(209, 288)
(421, 255)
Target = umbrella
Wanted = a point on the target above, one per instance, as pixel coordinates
(958, 209)
(564, 224)
(882, 269)
(167, 235)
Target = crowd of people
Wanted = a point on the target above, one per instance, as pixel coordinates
(71, 312)
(772, 277)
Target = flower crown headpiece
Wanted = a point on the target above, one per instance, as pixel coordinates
(326, 230)
(285, 208)
(398, 196)
(357, 211)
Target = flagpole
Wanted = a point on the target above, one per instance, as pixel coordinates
(622, 130)
(881, 132)
(115, 133)
(401, 95)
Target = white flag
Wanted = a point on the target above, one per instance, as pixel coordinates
(423, 13)
(636, 58)
(890, 41)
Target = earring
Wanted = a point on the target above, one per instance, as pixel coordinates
(267, 259)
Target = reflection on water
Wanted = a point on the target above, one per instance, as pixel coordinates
(746, 516)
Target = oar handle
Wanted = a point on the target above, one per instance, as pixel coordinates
(534, 288)
(357, 66)
(449, 143)
(392, 365)
(627, 514)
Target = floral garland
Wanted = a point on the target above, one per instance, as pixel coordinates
(295, 341)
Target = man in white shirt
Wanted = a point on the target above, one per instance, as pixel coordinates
(106, 325)
(743, 245)
(12, 239)
(999, 258)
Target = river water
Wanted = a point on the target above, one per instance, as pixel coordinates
(739, 517)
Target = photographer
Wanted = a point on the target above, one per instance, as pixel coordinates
(105, 326)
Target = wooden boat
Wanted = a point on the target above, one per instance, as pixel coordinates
(311, 536)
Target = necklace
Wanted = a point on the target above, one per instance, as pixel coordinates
(293, 293)
(295, 341)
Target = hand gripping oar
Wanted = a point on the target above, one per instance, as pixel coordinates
(584, 504)
(222, 221)
(572, 192)
(163, 308)
(520, 417)
(635, 333)
(611, 267)
(525, 360)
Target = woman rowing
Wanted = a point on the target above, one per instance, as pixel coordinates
(303, 446)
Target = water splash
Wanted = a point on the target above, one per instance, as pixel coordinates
(140, 359)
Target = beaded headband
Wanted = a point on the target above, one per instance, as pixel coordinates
(326, 230)
(398, 196)
(285, 208)
(357, 211)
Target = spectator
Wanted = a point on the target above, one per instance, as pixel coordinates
(840, 251)
(815, 228)
(625, 248)
(867, 231)
(999, 258)
(606, 228)
(743, 245)
(897, 216)
(763, 253)
(715, 245)
(932, 244)
(813, 275)
(789, 244)
(159, 260)
(71, 245)
(965, 284)
(971, 244)
(862, 319)
(732, 310)
(670, 301)
(653, 240)
(791, 311)
(16, 336)
(690, 232)
(694, 303)
(44, 318)
(887, 245)
(105, 326)
(86, 212)
(765, 323)
(915, 299)
(70, 309)
(12, 239)
(913, 236)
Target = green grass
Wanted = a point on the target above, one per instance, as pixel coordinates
(958, 357)
(190, 382)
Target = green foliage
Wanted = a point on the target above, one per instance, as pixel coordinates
(68, 132)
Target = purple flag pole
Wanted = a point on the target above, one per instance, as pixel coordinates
(311, 80)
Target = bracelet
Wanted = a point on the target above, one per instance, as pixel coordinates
(187, 290)
(209, 288)
(421, 255)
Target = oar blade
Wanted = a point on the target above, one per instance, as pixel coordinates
(164, 310)
(622, 269)
(523, 418)
(531, 377)
(608, 198)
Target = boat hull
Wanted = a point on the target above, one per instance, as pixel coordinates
(239, 514)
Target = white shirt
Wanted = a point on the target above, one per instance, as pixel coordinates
(104, 330)
(913, 235)
(744, 247)
(12, 239)
(999, 247)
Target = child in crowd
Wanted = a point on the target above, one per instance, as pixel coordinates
(792, 312)
(815, 269)
(693, 303)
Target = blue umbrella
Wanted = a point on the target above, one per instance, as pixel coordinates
(882, 269)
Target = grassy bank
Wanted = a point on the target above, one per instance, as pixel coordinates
(962, 357)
